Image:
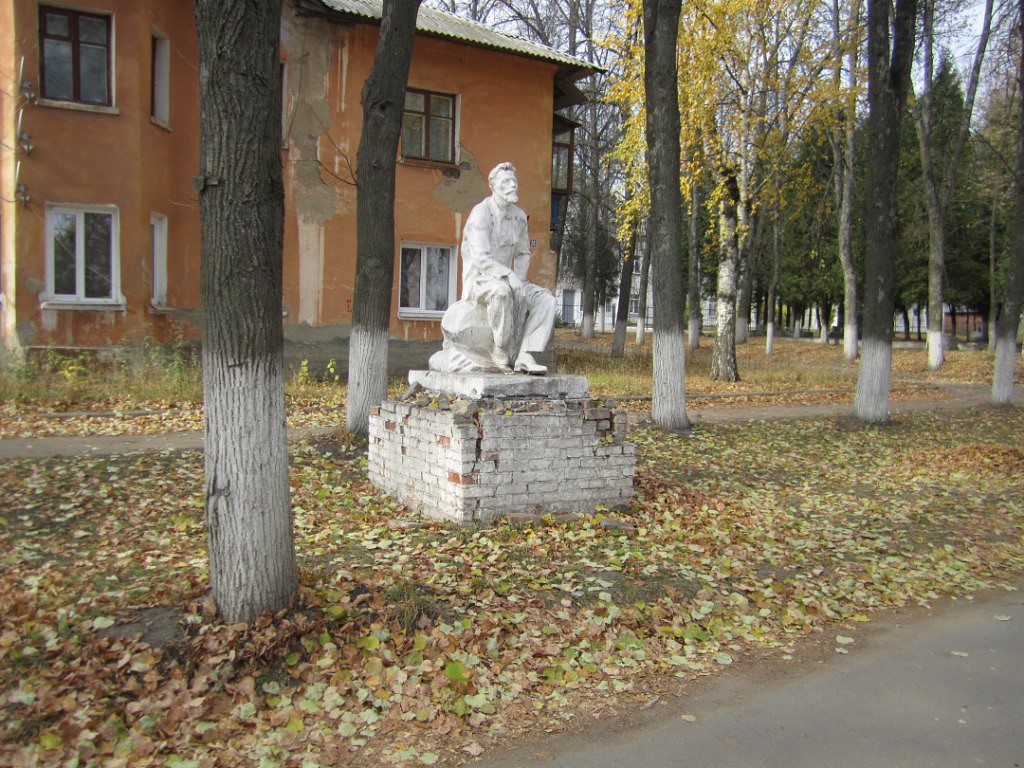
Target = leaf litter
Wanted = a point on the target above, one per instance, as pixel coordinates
(416, 643)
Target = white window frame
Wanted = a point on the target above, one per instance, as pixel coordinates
(158, 243)
(160, 80)
(453, 272)
(50, 299)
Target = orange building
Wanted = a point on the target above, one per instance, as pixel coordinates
(99, 221)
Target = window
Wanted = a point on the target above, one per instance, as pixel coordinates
(75, 56)
(82, 255)
(158, 244)
(427, 280)
(428, 126)
(561, 155)
(160, 80)
(569, 307)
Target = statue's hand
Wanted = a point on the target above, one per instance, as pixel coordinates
(514, 281)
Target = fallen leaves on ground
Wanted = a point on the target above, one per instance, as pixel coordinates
(797, 373)
(419, 643)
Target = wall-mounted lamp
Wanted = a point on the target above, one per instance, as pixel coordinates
(25, 142)
(21, 192)
(28, 90)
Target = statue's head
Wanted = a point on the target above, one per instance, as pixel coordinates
(504, 184)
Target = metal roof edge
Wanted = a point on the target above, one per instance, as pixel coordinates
(439, 23)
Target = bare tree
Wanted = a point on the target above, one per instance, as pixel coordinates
(890, 58)
(661, 30)
(241, 205)
(383, 100)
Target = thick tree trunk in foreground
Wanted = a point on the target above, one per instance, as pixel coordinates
(383, 100)
(723, 356)
(661, 31)
(248, 511)
(888, 82)
(1006, 337)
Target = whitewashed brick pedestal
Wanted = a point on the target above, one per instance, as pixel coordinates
(479, 446)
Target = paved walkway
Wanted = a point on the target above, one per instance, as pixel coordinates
(703, 410)
(940, 690)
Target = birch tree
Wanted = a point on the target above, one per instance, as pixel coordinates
(383, 99)
(241, 205)
(890, 56)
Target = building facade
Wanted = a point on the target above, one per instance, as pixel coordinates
(99, 117)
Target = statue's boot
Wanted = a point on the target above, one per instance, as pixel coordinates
(526, 364)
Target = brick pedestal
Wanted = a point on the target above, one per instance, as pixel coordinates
(460, 457)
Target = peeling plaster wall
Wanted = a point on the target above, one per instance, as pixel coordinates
(505, 108)
(310, 49)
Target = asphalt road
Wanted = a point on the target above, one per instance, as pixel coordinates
(942, 689)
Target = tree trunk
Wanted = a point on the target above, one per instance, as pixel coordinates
(590, 298)
(844, 147)
(694, 316)
(589, 288)
(625, 291)
(1006, 341)
(888, 83)
(993, 255)
(723, 356)
(773, 285)
(939, 192)
(241, 204)
(661, 29)
(746, 280)
(645, 277)
(383, 100)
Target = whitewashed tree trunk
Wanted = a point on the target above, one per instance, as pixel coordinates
(668, 404)
(889, 65)
(368, 355)
(871, 401)
(241, 204)
(661, 25)
(383, 100)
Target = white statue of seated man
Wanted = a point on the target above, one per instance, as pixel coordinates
(502, 318)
